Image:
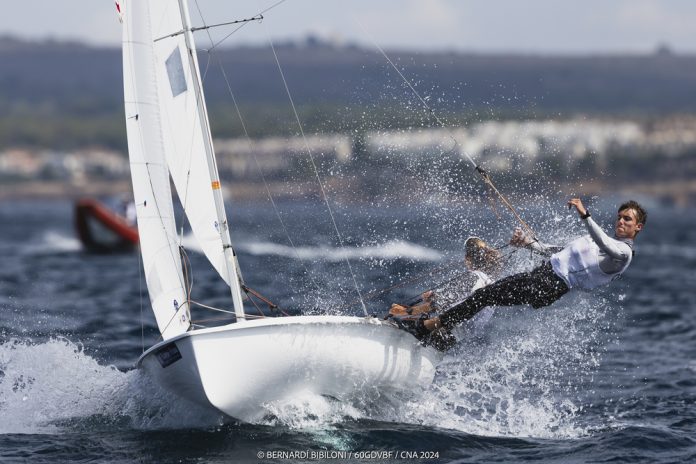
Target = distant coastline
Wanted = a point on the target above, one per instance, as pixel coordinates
(680, 194)
(65, 95)
(621, 122)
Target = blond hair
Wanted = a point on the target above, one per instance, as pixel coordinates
(480, 257)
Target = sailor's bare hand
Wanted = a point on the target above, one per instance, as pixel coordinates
(427, 296)
(519, 238)
(577, 204)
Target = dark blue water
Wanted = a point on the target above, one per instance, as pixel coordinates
(608, 377)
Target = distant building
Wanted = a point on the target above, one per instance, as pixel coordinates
(275, 156)
(73, 167)
(505, 145)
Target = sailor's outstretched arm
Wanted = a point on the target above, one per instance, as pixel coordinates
(614, 248)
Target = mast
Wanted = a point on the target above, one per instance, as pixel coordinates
(223, 227)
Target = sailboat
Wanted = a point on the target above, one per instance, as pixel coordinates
(239, 367)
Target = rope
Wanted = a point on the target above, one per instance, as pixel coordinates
(272, 306)
(187, 279)
(217, 319)
(489, 182)
(226, 311)
(257, 307)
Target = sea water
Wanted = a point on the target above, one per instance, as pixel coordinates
(608, 376)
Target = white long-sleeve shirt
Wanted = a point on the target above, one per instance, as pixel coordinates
(591, 260)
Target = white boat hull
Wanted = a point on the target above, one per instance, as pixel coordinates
(238, 368)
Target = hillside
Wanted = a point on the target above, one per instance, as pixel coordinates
(67, 94)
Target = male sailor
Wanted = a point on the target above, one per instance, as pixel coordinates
(585, 263)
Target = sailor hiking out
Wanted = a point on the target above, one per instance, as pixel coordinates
(483, 265)
(586, 263)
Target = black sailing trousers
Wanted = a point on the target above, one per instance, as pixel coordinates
(538, 287)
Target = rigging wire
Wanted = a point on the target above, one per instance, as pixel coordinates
(431, 112)
(226, 311)
(422, 278)
(211, 53)
(418, 278)
(316, 173)
(140, 285)
(486, 177)
(259, 15)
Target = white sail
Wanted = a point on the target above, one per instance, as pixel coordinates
(185, 129)
(231, 368)
(147, 147)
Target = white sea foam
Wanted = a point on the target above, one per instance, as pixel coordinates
(46, 385)
(519, 383)
(394, 249)
(515, 384)
(52, 241)
(305, 410)
(50, 382)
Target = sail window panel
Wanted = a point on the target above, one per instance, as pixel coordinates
(175, 72)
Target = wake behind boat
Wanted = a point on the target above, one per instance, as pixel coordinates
(238, 367)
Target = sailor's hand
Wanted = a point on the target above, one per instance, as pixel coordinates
(577, 204)
(519, 238)
(428, 296)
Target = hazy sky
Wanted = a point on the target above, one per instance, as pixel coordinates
(543, 26)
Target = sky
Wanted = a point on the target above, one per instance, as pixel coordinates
(520, 26)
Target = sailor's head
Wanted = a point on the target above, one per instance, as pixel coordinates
(630, 219)
(480, 257)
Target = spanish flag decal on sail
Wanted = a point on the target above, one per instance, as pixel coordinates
(216, 185)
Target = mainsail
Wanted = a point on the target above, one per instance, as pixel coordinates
(149, 172)
(168, 134)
